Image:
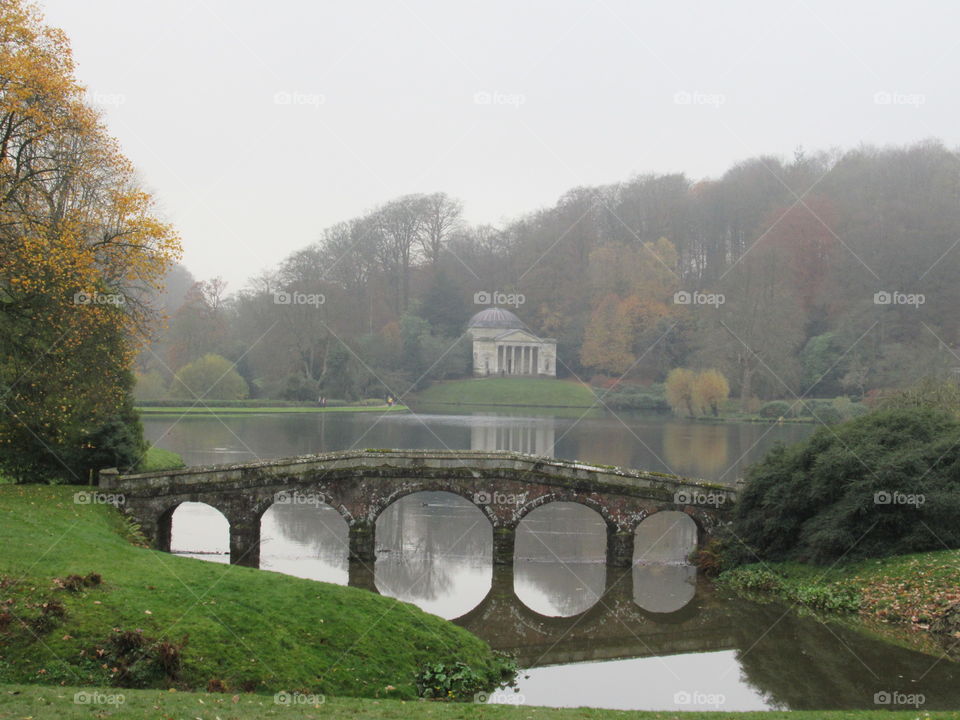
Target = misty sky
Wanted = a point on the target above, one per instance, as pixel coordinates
(257, 124)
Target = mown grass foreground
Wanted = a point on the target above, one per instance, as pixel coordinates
(53, 703)
(520, 392)
(81, 605)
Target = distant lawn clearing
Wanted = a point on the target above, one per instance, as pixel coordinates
(201, 410)
(518, 392)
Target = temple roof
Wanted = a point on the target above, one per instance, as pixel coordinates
(495, 317)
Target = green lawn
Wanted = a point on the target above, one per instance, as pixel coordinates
(239, 628)
(528, 392)
(160, 459)
(201, 410)
(53, 703)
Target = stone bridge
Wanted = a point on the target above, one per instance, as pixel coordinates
(506, 486)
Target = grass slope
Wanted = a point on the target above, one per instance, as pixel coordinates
(200, 410)
(245, 629)
(528, 392)
(47, 703)
(909, 591)
(160, 459)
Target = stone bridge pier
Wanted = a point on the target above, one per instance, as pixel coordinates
(360, 485)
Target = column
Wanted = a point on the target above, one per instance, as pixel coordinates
(361, 537)
(245, 542)
(619, 547)
(536, 361)
(503, 545)
(526, 359)
(513, 359)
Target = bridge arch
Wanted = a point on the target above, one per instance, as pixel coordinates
(167, 517)
(556, 496)
(436, 486)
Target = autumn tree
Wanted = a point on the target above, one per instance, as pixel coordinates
(211, 377)
(710, 390)
(81, 251)
(679, 390)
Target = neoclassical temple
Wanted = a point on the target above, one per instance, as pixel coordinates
(503, 346)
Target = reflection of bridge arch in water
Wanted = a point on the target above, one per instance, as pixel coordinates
(559, 558)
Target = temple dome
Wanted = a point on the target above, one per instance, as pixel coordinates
(495, 317)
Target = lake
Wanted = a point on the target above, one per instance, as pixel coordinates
(651, 637)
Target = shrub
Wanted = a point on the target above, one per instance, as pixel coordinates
(458, 681)
(776, 409)
(883, 484)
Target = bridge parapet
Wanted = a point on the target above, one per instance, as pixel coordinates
(360, 484)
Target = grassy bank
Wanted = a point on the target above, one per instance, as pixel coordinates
(527, 392)
(48, 703)
(160, 459)
(262, 410)
(919, 593)
(82, 605)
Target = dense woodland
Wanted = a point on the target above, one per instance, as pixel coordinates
(823, 275)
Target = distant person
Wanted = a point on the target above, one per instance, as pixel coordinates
(323, 401)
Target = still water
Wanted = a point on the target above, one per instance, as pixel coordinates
(652, 637)
(713, 451)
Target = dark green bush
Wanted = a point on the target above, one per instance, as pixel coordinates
(776, 409)
(883, 484)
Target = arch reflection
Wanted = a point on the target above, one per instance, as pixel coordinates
(307, 540)
(200, 531)
(560, 559)
(434, 549)
(664, 588)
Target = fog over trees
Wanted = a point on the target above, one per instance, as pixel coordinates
(825, 274)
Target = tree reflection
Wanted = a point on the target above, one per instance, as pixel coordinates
(306, 540)
(434, 549)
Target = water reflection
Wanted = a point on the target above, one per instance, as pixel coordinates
(434, 549)
(306, 540)
(530, 435)
(559, 561)
(200, 531)
(664, 588)
(658, 638)
(665, 537)
(714, 451)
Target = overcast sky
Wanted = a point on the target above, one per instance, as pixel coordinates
(257, 124)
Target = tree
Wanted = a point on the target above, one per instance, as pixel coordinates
(81, 254)
(679, 390)
(211, 377)
(710, 389)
